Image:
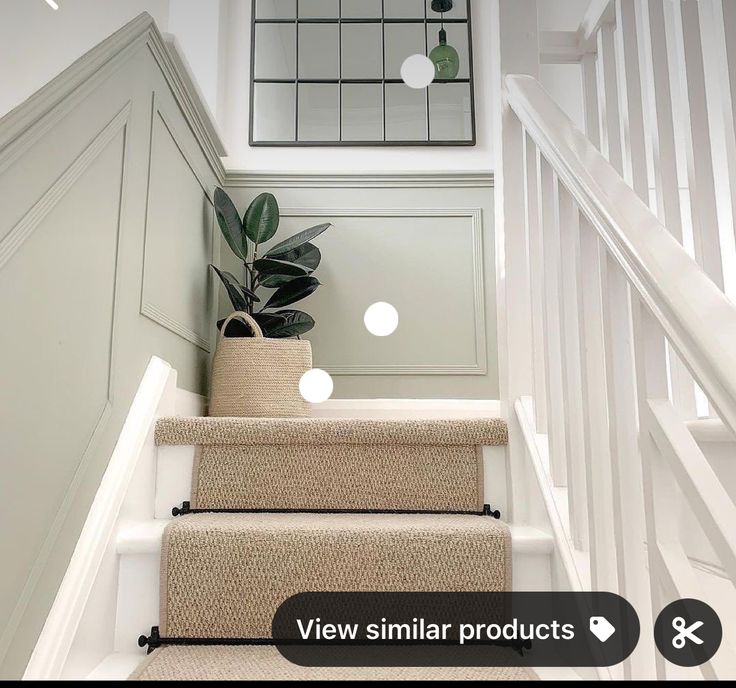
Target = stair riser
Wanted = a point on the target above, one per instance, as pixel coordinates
(139, 582)
(174, 478)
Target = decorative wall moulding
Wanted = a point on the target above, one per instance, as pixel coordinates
(148, 306)
(356, 180)
(475, 218)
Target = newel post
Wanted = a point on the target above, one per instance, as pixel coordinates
(514, 37)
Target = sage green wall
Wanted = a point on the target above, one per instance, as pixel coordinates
(421, 242)
(105, 235)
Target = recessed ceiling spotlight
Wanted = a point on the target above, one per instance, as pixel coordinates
(52, 4)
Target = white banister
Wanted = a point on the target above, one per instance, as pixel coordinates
(601, 539)
(701, 181)
(535, 264)
(710, 502)
(629, 324)
(651, 381)
(632, 110)
(698, 319)
(519, 19)
(572, 384)
(590, 97)
(598, 13)
(661, 133)
(608, 96)
(549, 228)
(726, 14)
(623, 438)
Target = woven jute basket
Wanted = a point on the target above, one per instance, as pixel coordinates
(258, 377)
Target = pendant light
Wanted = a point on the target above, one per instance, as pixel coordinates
(445, 58)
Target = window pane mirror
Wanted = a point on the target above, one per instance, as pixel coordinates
(328, 72)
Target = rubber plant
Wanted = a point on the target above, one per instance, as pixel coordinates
(285, 269)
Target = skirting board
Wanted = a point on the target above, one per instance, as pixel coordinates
(153, 398)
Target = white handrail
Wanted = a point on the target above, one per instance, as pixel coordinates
(693, 312)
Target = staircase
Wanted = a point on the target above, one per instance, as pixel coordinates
(422, 489)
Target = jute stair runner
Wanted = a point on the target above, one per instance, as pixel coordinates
(335, 463)
(228, 663)
(223, 575)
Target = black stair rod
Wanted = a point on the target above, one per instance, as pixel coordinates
(156, 640)
(186, 508)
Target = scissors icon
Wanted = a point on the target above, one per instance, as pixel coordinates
(685, 633)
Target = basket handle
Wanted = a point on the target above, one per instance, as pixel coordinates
(255, 328)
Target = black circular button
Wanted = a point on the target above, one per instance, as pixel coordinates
(688, 632)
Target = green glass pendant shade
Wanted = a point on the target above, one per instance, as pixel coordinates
(445, 58)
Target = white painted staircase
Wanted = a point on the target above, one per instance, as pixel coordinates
(102, 624)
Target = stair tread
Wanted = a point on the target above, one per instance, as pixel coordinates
(178, 430)
(144, 537)
(221, 662)
(119, 665)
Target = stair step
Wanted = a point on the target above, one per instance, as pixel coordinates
(335, 463)
(205, 430)
(225, 575)
(224, 663)
(139, 546)
(144, 537)
(119, 666)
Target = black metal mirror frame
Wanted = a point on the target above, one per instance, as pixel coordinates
(339, 81)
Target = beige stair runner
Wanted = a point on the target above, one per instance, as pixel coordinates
(223, 575)
(310, 463)
(228, 663)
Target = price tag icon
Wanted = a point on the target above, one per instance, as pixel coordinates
(601, 628)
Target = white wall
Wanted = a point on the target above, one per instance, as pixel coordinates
(196, 25)
(36, 42)
(234, 119)
(564, 82)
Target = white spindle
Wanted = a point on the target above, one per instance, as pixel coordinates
(572, 389)
(603, 573)
(548, 225)
(651, 379)
(632, 109)
(625, 459)
(519, 19)
(608, 96)
(536, 283)
(661, 132)
(726, 13)
(701, 182)
(590, 96)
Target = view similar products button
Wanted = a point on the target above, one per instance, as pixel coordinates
(456, 629)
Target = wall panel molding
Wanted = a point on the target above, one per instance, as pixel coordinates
(14, 239)
(475, 216)
(8, 247)
(24, 125)
(352, 180)
(148, 306)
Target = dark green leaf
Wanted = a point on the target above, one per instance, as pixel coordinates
(271, 266)
(250, 294)
(234, 289)
(268, 321)
(294, 291)
(297, 240)
(295, 323)
(262, 218)
(230, 224)
(275, 281)
(307, 255)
